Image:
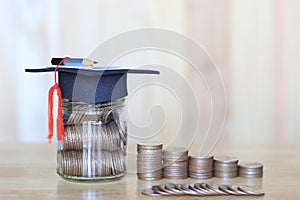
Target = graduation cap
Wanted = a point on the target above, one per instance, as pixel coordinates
(92, 84)
(86, 84)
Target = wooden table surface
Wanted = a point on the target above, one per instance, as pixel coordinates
(28, 171)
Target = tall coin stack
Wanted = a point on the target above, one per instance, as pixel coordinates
(149, 161)
(250, 170)
(225, 167)
(201, 167)
(175, 161)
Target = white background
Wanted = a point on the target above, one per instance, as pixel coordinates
(254, 43)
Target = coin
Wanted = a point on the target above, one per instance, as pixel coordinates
(211, 192)
(250, 165)
(251, 190)
(226, 159)
(226, 189)
(200, 188)
(150, 146)
(162, 187)
(201, 192)
(225, 174)
(175, 150)
(156, 189)
(171, 187)
(215, 187)
(236, 189)
(150, 192)
(185, 189)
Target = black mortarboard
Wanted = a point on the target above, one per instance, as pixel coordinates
(93, 84)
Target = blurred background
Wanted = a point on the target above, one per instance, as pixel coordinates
(255, 45)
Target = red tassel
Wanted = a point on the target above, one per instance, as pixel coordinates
(60, 122)
(50, 113)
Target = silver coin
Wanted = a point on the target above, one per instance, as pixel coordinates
(236, 189)
(175, 150)
(226, 175)
(149, 175)
(251, 175)
(200, 171)
(171, 187)
(200, 176)
(199, 191)
(226, 159)
(250, 172)
(162, 187)
(225, 188)
(225, 165)
(205, 187)
(185, 189)
(149, 146)
(150, 178)
(215, 187)
(198, 187)
(250, 190)
(175, 177)
(250, 165)
(208, 157)
(156, 189)
(150, 192)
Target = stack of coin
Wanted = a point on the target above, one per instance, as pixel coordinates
(250, 170)
(175, 161)
(225, 167)
(149, 161)
(201, 167)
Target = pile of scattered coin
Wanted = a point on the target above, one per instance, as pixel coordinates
(201, 167)
(226, 167)
(149, 161)
(250, 170)
(200, 189)
(175, 162)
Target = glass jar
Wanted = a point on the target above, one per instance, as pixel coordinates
(94, 147)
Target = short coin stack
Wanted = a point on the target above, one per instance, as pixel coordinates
(175, 161)
(201, 167)
(149, 161)
(225, 167)
(250, 170)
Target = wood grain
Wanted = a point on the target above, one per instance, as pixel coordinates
(28, 171)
